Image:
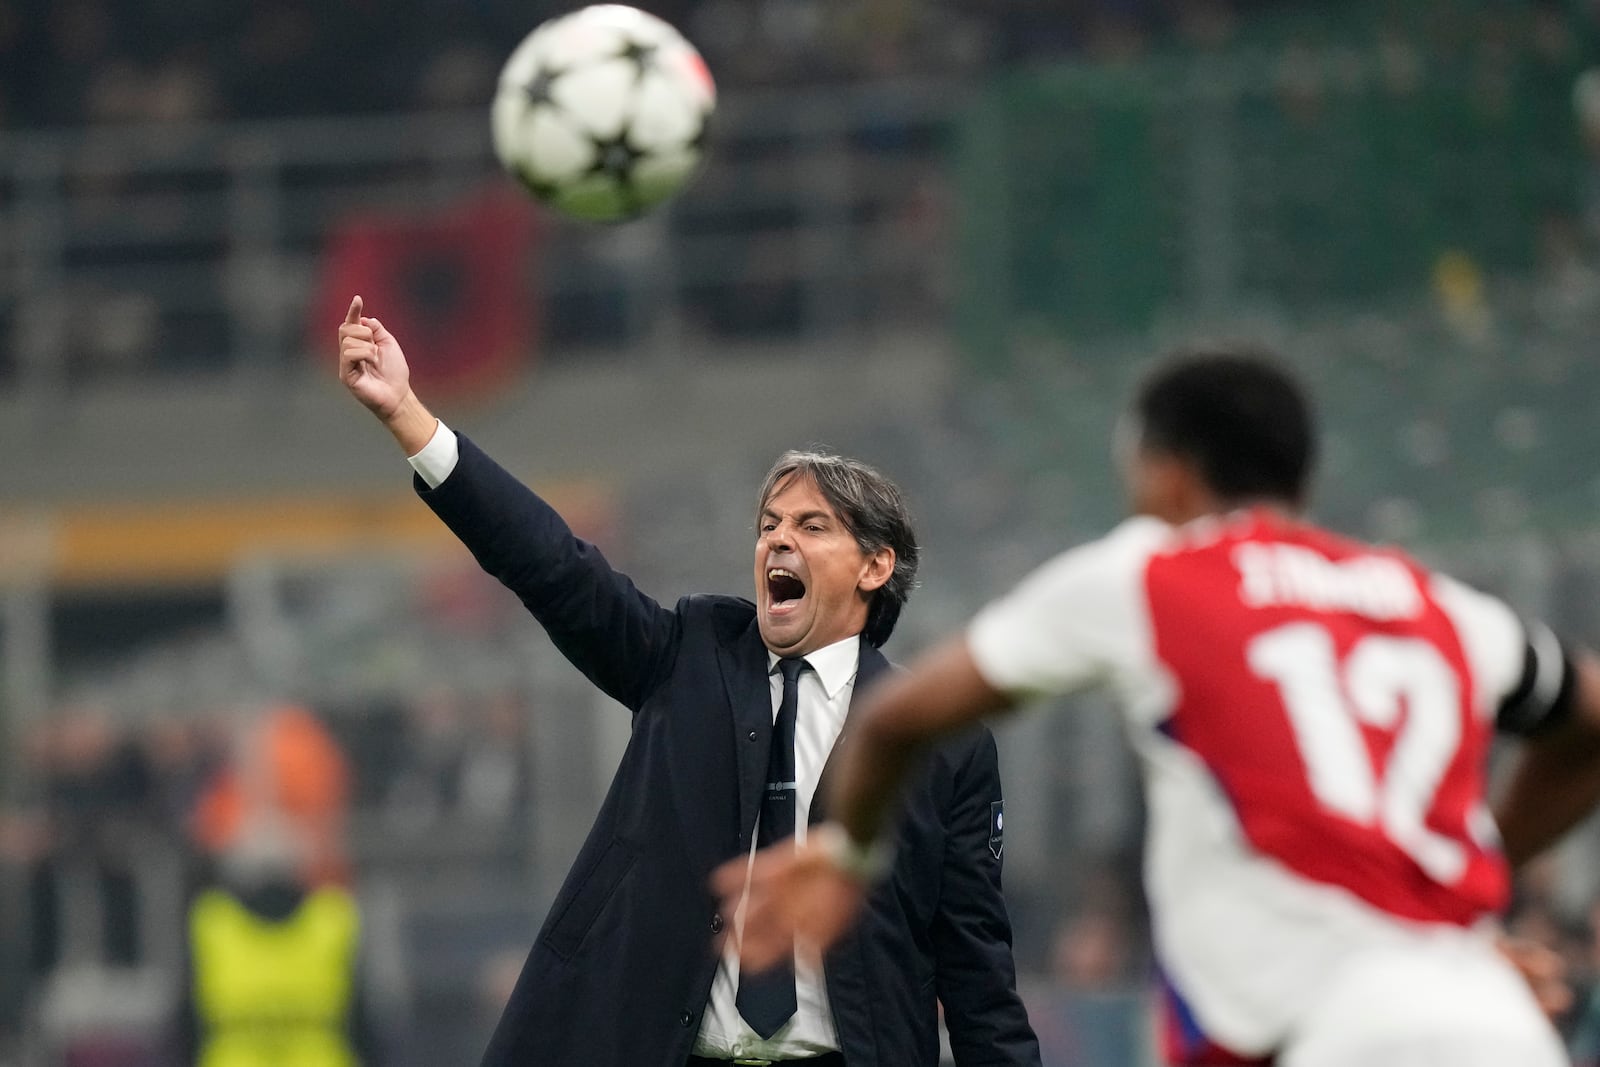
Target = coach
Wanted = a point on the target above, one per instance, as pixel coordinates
(737, 708)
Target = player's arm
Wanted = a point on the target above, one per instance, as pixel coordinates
(813, 894)
(1058, 631)
(1556, 782)
(902, 718)
(616, 635)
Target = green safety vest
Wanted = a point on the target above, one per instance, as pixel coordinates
(274, 994)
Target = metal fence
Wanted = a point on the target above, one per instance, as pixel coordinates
(197, 250)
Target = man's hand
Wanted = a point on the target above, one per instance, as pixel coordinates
(371, 364)
(797, 895)
(374, 369)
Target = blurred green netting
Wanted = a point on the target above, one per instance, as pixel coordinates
(1318, 159)
(1369, 189)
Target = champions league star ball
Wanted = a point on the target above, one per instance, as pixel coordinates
(602, 113)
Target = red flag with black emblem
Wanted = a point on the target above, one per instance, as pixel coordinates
(454, 285)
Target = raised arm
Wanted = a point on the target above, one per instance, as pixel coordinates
(374, 369)
(617, 636)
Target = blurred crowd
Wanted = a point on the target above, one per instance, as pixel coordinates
(1343, 133)
(119, 821)
(100, 61)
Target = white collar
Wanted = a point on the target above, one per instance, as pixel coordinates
(834, 664)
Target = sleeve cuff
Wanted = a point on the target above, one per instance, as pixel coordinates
(438, 457)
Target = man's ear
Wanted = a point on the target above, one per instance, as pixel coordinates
(879, 569)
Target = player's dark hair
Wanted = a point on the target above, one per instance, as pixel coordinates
(1237, 415)
(872, 509)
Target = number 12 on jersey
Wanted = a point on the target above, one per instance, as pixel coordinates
(1402, 686)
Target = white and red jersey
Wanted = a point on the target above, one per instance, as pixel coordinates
(1313, 716)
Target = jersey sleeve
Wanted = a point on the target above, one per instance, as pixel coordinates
(1523, 674)
(1068, 625)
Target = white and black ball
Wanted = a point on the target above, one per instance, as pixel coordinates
(602, 113)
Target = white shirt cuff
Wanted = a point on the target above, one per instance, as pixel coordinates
(438, 457)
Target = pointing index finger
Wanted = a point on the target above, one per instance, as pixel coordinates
(353, 316)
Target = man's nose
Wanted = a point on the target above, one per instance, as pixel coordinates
(779, 539)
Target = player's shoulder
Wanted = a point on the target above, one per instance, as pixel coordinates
(1139, 535)
(1091, 578)
(1120, 552)
(1483, 619)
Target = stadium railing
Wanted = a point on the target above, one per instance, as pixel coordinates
(199, 249)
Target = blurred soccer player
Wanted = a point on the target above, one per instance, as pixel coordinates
(737, 706)
(1313, 717)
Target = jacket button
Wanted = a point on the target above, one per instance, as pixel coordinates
(685, 1018)
(751, 736)
(716, 924)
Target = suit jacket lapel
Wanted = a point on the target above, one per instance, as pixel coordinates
(743, 662)
(870, 664)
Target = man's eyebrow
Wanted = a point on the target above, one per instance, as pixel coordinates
(804, 516)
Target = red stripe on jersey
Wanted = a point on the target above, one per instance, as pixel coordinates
(1331, 699)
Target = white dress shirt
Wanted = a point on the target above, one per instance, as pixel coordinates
(438, 457)
(824, 700)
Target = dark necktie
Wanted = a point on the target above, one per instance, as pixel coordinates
(766, 1000)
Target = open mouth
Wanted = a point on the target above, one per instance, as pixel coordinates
(784, 587)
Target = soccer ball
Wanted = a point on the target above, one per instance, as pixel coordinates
(602, 113)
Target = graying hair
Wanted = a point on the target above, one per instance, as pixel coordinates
(872, 509)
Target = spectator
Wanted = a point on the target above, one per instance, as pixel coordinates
(286, 767)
